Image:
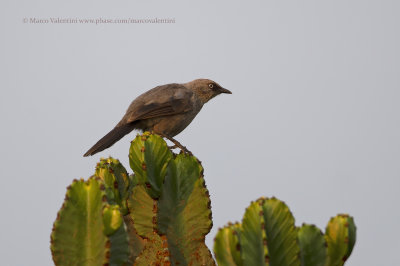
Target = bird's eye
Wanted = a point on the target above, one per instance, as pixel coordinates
(211, 85)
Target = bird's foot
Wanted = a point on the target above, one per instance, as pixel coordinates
(180, 146)
(186, 151)
(176, 144)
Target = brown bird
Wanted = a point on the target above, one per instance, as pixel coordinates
(165, 110)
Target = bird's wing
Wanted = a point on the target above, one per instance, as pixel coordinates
(172, 107)
(163, 101)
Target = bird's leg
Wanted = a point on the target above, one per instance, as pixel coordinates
(176, 144)
(173, 147)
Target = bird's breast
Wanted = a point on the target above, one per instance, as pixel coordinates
(174, 124)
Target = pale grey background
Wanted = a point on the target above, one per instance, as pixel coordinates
(313, 119)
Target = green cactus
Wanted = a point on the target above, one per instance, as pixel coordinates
(268, 236)
(119, 250)
(116, 181)
(340, 235)
(149, 156)
(142, 211)
(136, 243)
(252, 238)
(312, 246)
(170, 205)
(160, 215)
(184, 212)
(87, 229)
(227, 245)
(280, 232)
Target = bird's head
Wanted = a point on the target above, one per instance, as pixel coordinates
(206, 89)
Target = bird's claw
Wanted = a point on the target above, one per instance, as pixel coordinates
(186, 151)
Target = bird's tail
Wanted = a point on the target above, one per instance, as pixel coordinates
(108, 140)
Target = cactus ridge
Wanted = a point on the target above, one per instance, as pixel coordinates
(136, 243)
(169, 202)
(268, 236)
(312, 245)
(184, 208)
(159, 215)
(119, 250)
(227, 245)
(78, 236)
(149, 156)
(280, 232)
(115, 181)
(340, 235)
(142, 210)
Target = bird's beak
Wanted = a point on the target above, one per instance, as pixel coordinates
(222, 90)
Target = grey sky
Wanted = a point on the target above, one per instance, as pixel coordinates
(313, 118)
